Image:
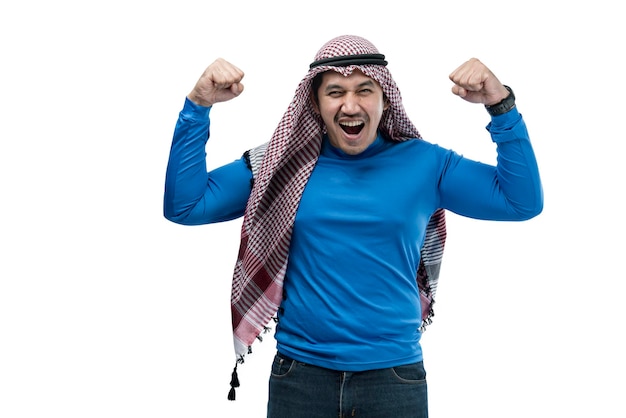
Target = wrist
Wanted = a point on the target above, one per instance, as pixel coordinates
(504, 105)
(198, 100)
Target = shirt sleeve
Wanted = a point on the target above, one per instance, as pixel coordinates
(192, 195)
(509, 191)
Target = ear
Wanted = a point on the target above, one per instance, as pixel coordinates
(386, 104)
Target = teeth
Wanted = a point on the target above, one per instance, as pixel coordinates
(351, 123)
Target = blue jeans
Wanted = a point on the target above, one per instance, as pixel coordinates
(299, 390)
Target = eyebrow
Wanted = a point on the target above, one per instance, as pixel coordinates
(367, 83)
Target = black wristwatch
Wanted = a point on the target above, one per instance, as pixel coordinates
(504, 105)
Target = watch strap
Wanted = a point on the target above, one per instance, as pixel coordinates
(503, 105)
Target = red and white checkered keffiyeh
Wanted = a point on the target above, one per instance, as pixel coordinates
(278, 185)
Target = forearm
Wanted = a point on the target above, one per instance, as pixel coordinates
(517, 172)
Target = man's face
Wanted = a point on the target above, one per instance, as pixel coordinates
(351, 107)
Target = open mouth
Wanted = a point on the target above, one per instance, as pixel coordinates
(352, 128)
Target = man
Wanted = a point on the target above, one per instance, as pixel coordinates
(344, 224)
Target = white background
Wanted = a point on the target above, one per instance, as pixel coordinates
(109, 310)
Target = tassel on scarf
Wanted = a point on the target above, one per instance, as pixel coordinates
(234, 383)
(265, 331)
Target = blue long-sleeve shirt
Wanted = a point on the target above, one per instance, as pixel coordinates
(351, 300)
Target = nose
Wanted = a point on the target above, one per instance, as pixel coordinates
(350, 103)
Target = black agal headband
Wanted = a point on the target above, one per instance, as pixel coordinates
(345, 60)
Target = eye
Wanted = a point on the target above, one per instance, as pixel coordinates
(335, 93)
